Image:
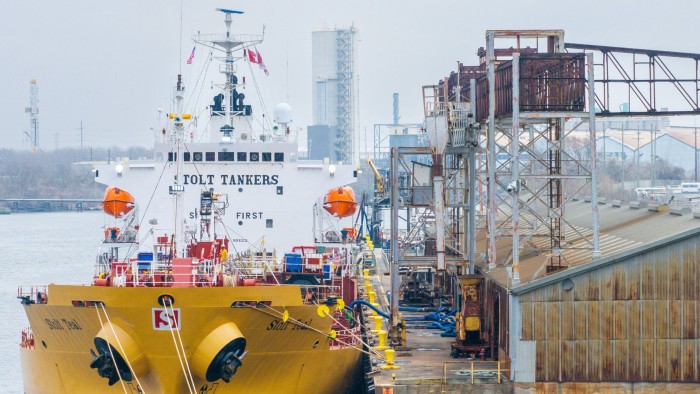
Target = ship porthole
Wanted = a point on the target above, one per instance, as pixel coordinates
(315, 344)
(43, 344)
(240, 190)
(240, 223)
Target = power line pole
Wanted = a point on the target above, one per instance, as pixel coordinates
(604, 153)
(653, 155)
(622, 156)
(639, 154)
(33, 111)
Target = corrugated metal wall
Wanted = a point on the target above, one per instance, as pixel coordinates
(634, 320)
(497, 295)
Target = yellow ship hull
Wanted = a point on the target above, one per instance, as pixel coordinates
(292, 356)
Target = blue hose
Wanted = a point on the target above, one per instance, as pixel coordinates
(367, 304)
(417, 309)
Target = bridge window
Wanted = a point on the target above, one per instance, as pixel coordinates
(211, 156)
(227, 156)
(172, 156)
(254, 156)
(186, 156)
(242, 156)
(197, 156)
(268, 223)
(279, 156)
(267, 156)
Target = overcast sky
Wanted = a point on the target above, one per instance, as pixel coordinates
(111, 64)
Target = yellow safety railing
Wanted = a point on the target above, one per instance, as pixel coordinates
(475, 367)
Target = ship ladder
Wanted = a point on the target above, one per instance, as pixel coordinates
(167, 303)
(109, 346)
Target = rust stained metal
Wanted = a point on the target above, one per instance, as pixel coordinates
(621, 319)
(620, 367)
(606, 319)
(581, 361)
(549, 82)
(689, 367)
(567, 321)
(541, 362)
(620, 334)
(690, 319)
(568, 362)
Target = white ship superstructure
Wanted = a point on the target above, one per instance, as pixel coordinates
(270, 192)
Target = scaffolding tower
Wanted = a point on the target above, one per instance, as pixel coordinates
(344, 141)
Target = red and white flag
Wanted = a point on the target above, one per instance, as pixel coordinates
(255, 57)
(189, 61)
(252, 56)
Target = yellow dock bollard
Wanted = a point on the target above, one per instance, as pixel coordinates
(382, 340)
(372, 297)
(377, 323)
(389, 353)
(365, 273)
(374, 304)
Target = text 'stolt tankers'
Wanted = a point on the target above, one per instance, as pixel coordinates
(117, 202)
(340, 202)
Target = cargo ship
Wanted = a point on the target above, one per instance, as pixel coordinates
(222, 267)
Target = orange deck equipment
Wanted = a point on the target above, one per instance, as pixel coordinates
(340, 202)
(117, 202)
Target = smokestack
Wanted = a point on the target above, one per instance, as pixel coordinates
(396, 108)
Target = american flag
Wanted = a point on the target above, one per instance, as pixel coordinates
(189, 61)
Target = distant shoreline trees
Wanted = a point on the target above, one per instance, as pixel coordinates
(61, 173)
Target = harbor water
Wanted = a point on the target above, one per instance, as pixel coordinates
(38, 249)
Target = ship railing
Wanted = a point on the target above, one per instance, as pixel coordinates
(102, 267)
(316, 294)
(349, 337)
(33, 294)
(479, 370)
(257, 267)
(244, 40)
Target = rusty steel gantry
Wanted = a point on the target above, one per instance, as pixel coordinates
(517, 179)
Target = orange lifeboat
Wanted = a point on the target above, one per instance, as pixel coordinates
(340, 202)
(117, 202)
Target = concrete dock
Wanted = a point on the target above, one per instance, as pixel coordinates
(424, 365)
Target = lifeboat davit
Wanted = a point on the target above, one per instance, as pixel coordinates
(340, 202)
(117, 202)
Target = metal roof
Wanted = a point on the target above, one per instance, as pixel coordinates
(622, 230)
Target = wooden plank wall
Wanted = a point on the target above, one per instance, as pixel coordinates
(635, 320)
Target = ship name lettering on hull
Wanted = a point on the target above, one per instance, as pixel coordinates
(62, 324)
(249, 215)
(203, 179)
(279, 325)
